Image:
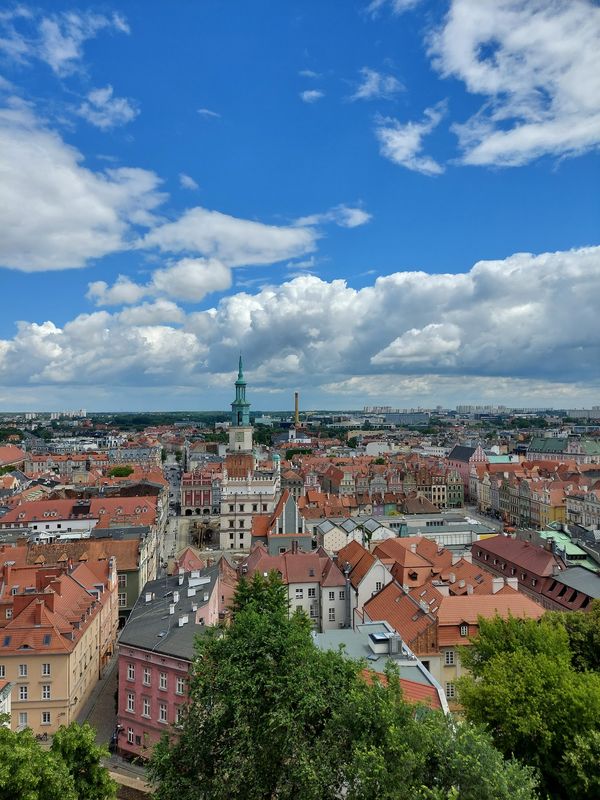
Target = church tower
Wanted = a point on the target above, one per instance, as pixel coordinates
(240, 431)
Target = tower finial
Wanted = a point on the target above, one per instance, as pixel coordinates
(241, 369)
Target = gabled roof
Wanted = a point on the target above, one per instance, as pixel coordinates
(400, 610)
(461, 453)
(530, 557)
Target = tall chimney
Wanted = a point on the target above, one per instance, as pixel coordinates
(296, 409)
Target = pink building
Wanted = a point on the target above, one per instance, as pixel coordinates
(156, 649)
(462, 458)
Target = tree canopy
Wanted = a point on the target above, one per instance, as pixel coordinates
(121, 471)
(271, 716)
(534, 686)
(70, 770)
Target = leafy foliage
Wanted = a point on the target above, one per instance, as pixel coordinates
(76, 746)
(121, 472)
(525, 687)
(70, 770)
(271, 716)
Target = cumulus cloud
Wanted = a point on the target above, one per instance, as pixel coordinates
(105, 111)
(56, 39)
(506, 325)
(232, 240)
(123, 291)
(187, 182)
(403, 143)
(311, 95)
(189, 279)
(436, 343)
(537, 64)
(56, 213)
(376, 85)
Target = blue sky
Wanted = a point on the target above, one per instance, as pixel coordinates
(376, 202)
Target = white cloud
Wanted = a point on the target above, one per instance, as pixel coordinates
(311, 95)
(395, 6)
(309, 73)
(105, 111)
(522, 329)
(192, 279)
(403, 143)
(206, 112)
(537, 63)
(232, 240)
(54, 212)
(189, 279)
(342, 215)
(123, 291)
(376, 85)
(57, 39)
(436, 343)
(187, 182)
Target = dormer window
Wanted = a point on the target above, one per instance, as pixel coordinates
(464, 629)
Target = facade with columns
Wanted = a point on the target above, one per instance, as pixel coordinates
(246, 489)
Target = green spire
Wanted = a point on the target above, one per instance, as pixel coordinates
(240, 408)
(241, 370)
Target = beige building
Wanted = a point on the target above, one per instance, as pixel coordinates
(58, 629)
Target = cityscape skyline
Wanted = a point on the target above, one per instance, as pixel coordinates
(381, 203)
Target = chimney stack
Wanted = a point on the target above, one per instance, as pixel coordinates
(296, 409)
(497, 584)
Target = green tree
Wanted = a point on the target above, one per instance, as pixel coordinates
(120, 472)
(76, 746)
(583, 632)
(28, 772)
(537, 707)
(271, 716)
(70, 770)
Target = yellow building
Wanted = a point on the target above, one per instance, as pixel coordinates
(58, 629)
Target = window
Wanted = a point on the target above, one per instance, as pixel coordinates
(162, 681)
(299, 594)
(146, 707)
(22, 670)
(9, 613)
(122, 599)
(378, 586)
(180, 686)
(45, 718)
(23, 692)
(231, 523)
(130, 702)
(162, 712)
(46, 669)
(130, 735)
(254, 508)
(264, 506)
(450, 691)
(146, 676)
(312, 592)
(332, 595)
(122, 579)
(332, 615)
(45, 691)
(22, 719)
(342, 594)
(241, 507)
(130, 672)
(313, 612)
(241, 523)
(178, 715)
(449, 659)
(464, 630)
(231, 507)
(2, 671)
